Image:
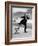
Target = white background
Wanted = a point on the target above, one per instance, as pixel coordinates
(2, 23)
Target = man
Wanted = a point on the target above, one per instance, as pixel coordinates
(24, 21)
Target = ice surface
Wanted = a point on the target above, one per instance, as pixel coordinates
(23, 35)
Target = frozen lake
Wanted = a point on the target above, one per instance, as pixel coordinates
(20, 33)
(23, 35)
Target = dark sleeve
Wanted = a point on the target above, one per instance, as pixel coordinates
(28, 18)
(22, 17)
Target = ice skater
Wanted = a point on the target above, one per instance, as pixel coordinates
(24, 21)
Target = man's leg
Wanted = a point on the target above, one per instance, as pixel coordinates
(25, 29)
